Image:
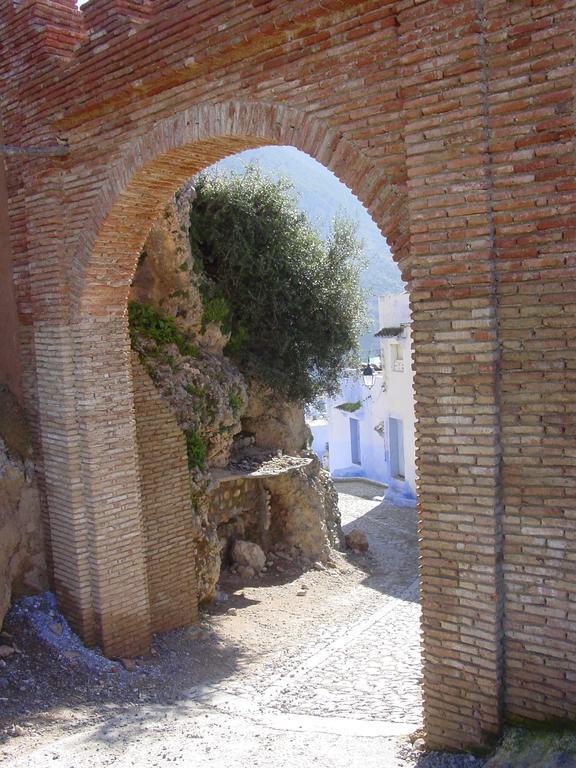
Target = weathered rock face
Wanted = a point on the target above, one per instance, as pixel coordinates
(162, 278)
(208, 549)
(304, 509)
(22, 557)
(275, 423)
(205, 390)
(286, 500)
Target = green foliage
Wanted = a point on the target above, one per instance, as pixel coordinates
(216, 310)
(196, 449)
(148, 322)
(234, 401)
(294, 306)
(349, 407)
(195, 391)
(238, 341)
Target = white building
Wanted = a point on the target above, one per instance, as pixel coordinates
(371, 429)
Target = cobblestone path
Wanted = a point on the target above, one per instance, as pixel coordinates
(328, 677)
(368, 667)
(374, 676)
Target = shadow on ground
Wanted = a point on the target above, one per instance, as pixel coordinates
(391, 563)
(40, 687)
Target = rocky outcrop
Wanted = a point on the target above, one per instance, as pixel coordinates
(274, 422)
(204, 388)
(304, 509)
(259, 499)
(22, 556)
(162, 278)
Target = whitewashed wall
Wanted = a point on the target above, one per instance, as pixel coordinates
(391, 396)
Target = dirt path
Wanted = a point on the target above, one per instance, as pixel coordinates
(320, 668)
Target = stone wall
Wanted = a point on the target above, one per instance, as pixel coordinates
(169, 525)
(288, 500)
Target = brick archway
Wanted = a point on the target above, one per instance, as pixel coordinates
(139, 184)
(454, 123)
(177, 148)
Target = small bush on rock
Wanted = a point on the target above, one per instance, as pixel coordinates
(147, 322)
(195, 449)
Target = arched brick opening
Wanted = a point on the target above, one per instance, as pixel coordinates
(138, 187)
(104, 264)
(181, 146)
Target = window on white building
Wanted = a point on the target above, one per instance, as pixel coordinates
(397, 357)
(355, 441)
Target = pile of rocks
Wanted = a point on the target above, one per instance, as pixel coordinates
(283, 557)
(250, 561)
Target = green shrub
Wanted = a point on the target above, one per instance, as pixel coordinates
(195, 449)
(148, 322)
(216, 310)
(293, 303)
(234, 401)
(195, 391)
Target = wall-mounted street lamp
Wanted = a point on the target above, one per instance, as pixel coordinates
(368, 376)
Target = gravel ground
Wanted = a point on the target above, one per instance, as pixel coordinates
(319, 668)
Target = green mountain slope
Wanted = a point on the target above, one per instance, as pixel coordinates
(322, 196)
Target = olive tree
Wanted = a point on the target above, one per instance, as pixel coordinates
(290, 299)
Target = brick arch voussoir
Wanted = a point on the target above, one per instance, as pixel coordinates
(155, 166)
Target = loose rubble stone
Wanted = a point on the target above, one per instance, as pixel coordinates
(248, 554)
(357, 540)
(6, 651)
(56, 628)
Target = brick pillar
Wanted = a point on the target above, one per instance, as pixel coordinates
(456, 362)
(532, 109)
(169, 522)
(111, 481)
(58, 434)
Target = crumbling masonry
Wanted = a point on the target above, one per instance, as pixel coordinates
(453, 122)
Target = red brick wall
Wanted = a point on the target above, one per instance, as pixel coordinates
(531, 106)
(453, 122)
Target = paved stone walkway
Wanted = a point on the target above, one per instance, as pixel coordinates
(345, 696)
(367, 670)
(373, 676)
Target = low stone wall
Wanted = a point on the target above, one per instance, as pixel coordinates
(290, 500)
